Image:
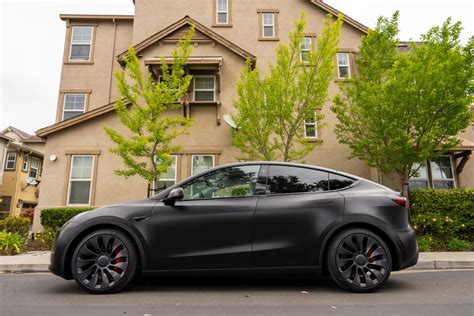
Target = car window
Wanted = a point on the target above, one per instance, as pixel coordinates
(229, 182)
(284, 179)
(337, 182)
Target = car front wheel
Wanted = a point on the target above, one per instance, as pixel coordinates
(358, 260)
(104, 261)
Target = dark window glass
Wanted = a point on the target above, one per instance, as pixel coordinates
(337, 182)
(283, 179)
(229, 182)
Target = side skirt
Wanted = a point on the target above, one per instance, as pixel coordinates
(232, 272)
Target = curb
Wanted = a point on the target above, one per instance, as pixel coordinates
(23, 268)
(442, 265)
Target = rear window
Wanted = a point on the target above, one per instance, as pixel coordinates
(285, 179)
(337, 182)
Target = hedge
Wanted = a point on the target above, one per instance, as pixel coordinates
(53, 219)
(443, 215)
(16, 225)
(56, 217)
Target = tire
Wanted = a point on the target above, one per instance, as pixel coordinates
(104, 262)
(359, 260)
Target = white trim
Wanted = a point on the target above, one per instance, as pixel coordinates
(14, 161)
(204, 90)
(83, 105)
(305, 49)
(220, 11)
(37, 168)
(315, 128)
(348, 66)
(192, 159)
(26, 160)
(90, 44)
(77, 180)
(453, 172)
(272, 24)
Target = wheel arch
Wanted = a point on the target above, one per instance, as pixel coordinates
(394, 251)
(138, 244)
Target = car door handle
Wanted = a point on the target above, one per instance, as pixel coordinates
(139, 218)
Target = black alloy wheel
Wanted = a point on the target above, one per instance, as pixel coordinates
(104, 261)
(359, 260)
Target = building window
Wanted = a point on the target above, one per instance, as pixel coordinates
(306, 45)
(10, 163)
(222, 12)
(74, 105)
(80, 180)
(268, 25)
(311, 127)
(437, 174)
(442, 173)
(420, 178)
(81, 43)
(202, 163)
(34, 168)
(168, 178)
(343, 66)
(204, 88)
(26, 158)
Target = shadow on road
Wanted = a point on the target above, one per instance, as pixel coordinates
(233, 284)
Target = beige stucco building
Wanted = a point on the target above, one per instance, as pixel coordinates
(78, 167)
(21, 158)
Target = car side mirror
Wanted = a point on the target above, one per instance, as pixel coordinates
(176, 194)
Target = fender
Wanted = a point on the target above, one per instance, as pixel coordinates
(363, 220)
(134, 232)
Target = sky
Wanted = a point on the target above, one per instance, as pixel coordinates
(32, 42)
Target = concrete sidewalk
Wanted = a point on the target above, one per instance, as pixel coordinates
(38, 261)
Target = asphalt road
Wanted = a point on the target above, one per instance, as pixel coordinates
(406, 293)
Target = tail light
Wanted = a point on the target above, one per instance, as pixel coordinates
(401, 201)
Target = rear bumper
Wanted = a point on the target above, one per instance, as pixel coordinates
(407, 247)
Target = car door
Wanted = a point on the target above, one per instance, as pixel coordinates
(211, 227)
(293, 215)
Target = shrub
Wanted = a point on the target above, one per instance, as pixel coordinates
(29, 213)
(427, 243)
(16, 225)
(53, 219)
(443, 215)
(456, 244)
(57, 217)
(11, 243)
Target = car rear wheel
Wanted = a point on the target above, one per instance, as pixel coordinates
(359, 260)
(104, 261)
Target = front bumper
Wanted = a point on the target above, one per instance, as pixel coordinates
(407, 247)
(60, 257)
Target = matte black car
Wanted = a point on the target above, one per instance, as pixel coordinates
(259, 218)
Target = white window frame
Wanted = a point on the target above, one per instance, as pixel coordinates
(315, 124)
(266, 25)
(175, 173)
(204, 90)
(206, 155)
(453, 171)
(37, 168)
(70, 180)
(7, 160)
(427, 179)
(222, 11)
(26, 160)
(90, 44)
(84, 105)
(306, 49)
(348, 66)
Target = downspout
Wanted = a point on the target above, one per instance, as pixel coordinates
(112, 60)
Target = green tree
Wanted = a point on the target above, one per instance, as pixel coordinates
(404, 108)
(145, 149)
(270, 112)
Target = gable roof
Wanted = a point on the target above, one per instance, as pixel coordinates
(188, 21)
(45, 131)
(23, 137)
(347, 19)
